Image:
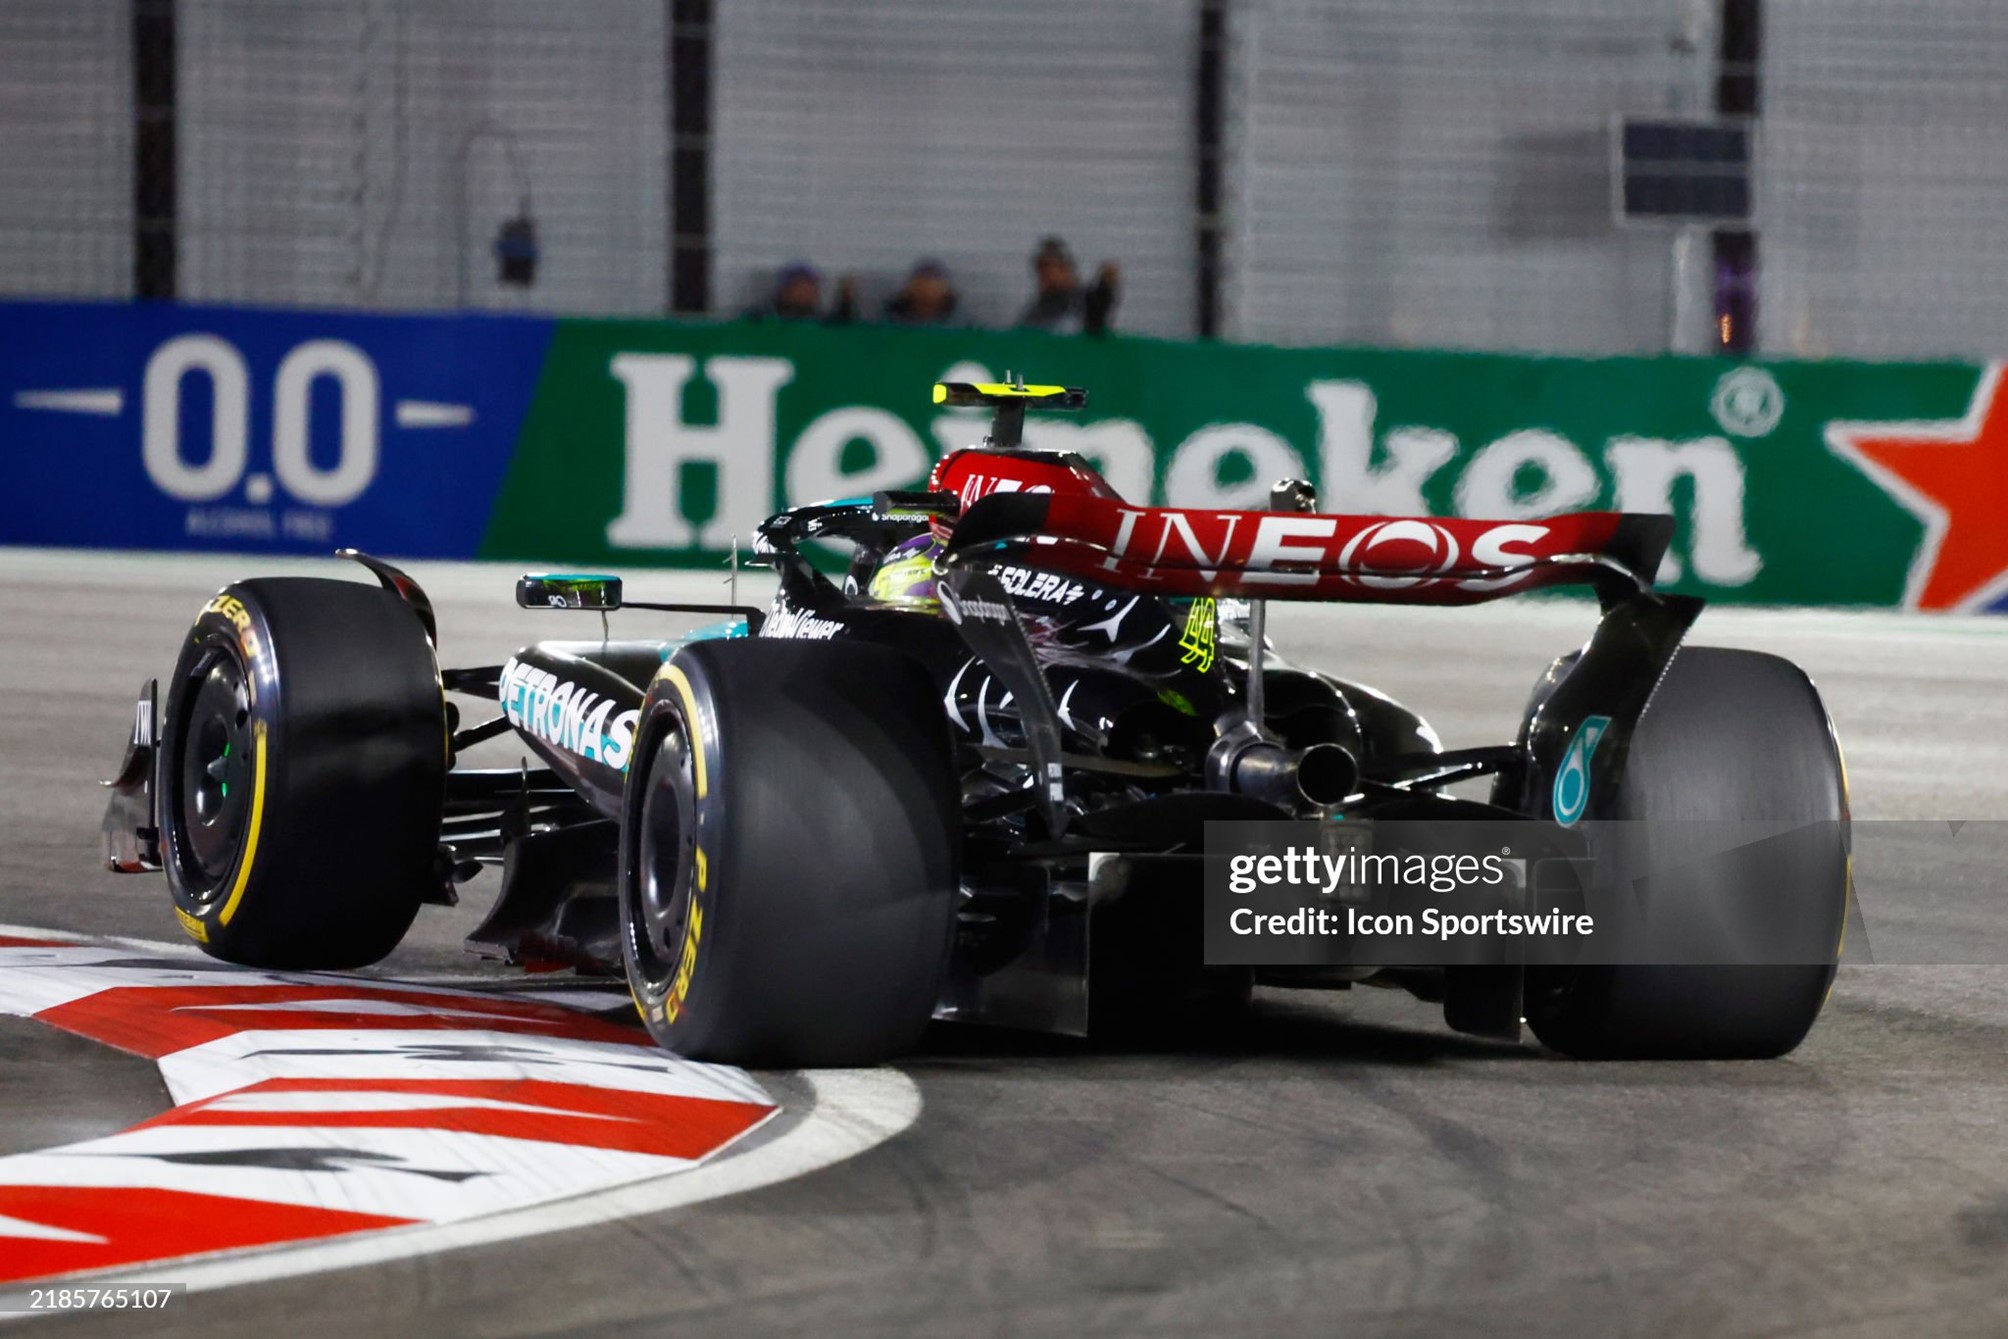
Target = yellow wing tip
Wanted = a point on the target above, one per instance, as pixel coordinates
(968, 393)
(1018, 392)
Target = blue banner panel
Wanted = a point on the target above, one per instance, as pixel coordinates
(154, 426)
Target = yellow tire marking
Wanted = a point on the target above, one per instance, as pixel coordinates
(257, 821)
(681, 682)
(194, 928)
(679, 986)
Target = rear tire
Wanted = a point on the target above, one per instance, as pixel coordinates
(302, 770)
(1728, 736)
(789, 853)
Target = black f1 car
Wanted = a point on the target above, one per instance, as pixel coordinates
(968, 779)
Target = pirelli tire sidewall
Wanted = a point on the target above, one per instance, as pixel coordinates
(821, 791)
(348, 725)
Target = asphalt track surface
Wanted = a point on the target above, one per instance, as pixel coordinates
(1339, 1164)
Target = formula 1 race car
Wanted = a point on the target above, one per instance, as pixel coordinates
(969, 777)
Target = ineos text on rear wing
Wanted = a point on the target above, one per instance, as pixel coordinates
(1312, 556)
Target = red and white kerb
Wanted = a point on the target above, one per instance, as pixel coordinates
(309, 1107)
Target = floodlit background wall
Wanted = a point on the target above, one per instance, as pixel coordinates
(862, 136)
(66, 151)
(362, 154)
(1415, 173)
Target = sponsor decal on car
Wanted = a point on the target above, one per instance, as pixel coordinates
(1572, 779)
(962, 607)
(560, 712)
(976, 486)
(1294, 550)
(1050, 587)
(800, 624)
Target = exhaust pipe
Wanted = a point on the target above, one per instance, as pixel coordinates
(1322, 775)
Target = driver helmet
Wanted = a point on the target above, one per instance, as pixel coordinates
(906, 576)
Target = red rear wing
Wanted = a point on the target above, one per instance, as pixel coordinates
(1309, 556)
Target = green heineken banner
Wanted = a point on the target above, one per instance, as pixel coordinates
(626, 443)
(1831, 483)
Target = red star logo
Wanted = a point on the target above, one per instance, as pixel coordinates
(1953, 476)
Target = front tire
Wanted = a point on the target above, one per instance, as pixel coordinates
(302, 771)
(789, 848)
(1729, 736)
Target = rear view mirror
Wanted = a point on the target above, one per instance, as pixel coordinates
(553, 591)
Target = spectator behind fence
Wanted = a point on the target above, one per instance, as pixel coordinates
(798, 296)
(927, 298)
(1060, 303)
